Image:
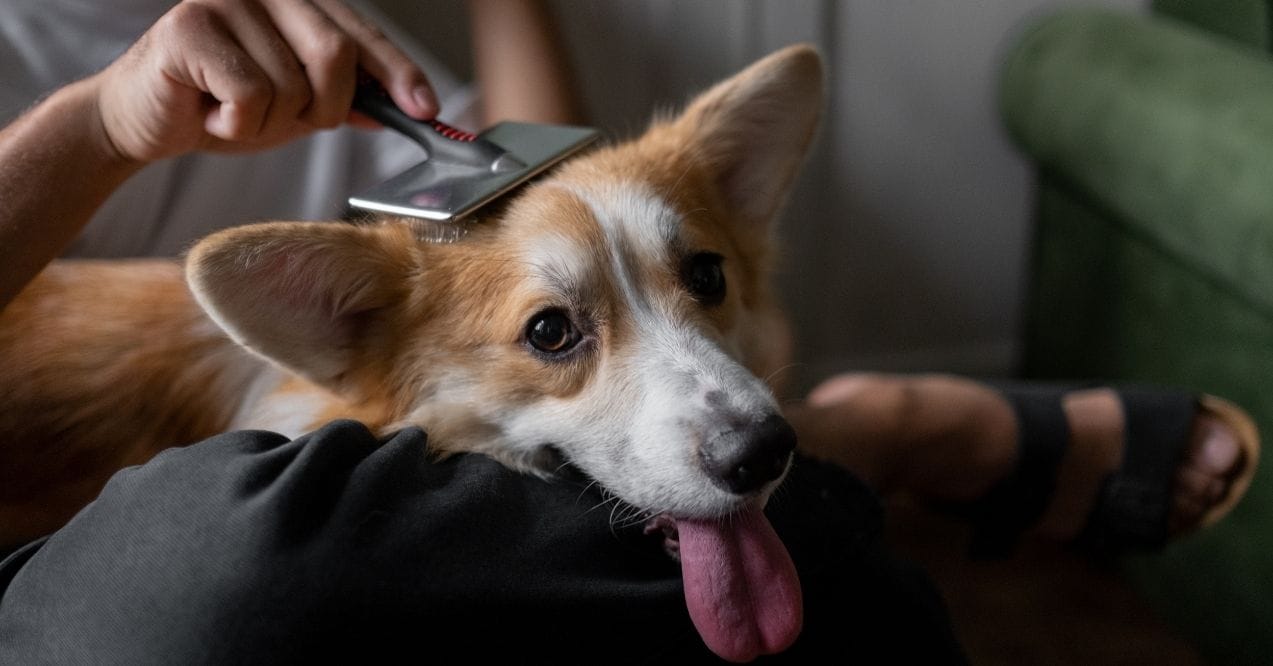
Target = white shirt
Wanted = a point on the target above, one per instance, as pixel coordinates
(45, 44)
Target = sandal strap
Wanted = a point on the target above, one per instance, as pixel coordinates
(1017, 502)
(1134, 504)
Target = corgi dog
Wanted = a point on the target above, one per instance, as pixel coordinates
(615, 314)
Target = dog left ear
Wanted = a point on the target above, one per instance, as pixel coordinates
(301, 294)
(755, 128)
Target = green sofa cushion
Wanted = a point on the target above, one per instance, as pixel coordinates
(1154, 261)
(1245, 21)
(1155, 121)
(1108, 305)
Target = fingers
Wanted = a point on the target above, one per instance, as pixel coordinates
(248, 74)
(249, 69)
(403, 80)
(196, 49)
(327, 57)
(289, 91)
(311, 51)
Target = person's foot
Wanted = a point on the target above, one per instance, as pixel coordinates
(1212, 460)
(950, 439)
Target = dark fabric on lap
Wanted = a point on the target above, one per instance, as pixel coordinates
(11, 563)
(249, 548)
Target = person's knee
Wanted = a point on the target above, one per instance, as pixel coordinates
(893, 403)
(938, 409)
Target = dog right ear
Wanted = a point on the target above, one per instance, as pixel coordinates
(302, 294)
(754, 129)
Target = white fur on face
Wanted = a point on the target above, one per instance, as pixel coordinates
(271, 406)
(657, 396)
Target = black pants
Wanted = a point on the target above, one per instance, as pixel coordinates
(249, 548)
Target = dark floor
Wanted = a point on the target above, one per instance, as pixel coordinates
(1045, 606)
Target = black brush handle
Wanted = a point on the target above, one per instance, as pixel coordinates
(465, 149)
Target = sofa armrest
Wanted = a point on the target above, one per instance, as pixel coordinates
(1164, 127)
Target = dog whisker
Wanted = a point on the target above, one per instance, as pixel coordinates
(588, 487)
(566, 463)
(775, 373)
(609, 499)
(626, 515)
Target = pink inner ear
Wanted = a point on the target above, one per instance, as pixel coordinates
(303, 280)
(284, 278)
(757, 127)
(296, 300)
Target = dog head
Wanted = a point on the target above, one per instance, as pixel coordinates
(616, 313)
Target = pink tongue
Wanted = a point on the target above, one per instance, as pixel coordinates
(740, 585)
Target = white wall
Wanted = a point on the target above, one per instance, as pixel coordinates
(907, 239)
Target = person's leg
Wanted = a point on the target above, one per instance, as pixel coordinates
(336, 546)
(953, 439)
(520, 63)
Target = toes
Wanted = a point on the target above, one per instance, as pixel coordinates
(1195, 483)
(1215, 447)
(1202, 480)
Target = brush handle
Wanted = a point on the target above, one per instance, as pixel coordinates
(442, 142)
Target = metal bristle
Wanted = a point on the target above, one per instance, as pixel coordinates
(438, 232)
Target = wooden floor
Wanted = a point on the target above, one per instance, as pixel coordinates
(1045, 606)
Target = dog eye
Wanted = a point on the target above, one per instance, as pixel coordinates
(552, 332)
(705, 279)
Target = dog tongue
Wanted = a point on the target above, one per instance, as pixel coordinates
(740, 585)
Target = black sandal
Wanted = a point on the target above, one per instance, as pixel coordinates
(1135, 501)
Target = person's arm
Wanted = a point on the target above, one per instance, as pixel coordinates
(56, 167)
(220, 75)
(520, 64)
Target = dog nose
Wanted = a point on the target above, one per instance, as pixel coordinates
(743, 461)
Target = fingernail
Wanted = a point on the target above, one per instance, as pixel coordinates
(424, 99)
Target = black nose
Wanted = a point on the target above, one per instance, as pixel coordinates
(743, 461)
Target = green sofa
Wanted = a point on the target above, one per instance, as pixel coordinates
(1152, 139)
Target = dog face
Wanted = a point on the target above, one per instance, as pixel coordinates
(616, 314)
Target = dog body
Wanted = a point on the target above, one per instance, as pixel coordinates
(615, 315)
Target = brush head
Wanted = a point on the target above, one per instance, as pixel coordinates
(445, 192)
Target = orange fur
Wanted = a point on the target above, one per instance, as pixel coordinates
(80, 347)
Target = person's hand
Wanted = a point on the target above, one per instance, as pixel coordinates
(237, 75)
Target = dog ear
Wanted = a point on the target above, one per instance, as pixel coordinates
(755, 128)
(301, 294)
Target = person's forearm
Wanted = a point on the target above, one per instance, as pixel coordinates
(520, 64)
(56, 168)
